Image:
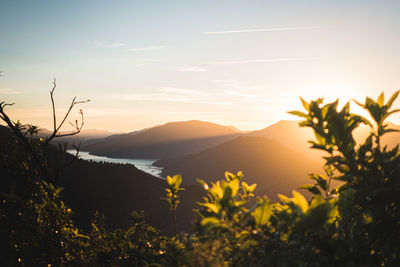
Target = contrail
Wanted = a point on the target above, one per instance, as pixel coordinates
(261, 60)
(264, 30)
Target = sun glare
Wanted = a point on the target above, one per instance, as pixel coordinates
(332, 91)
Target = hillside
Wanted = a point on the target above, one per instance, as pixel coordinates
(113, 189)
(291, 135)
(85, 136)
(117, 189)
(274, 167)
(170, 140)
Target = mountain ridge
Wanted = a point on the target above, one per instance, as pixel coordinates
(168, 140)
(274, 167)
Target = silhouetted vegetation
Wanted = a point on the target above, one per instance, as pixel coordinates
(354, 224)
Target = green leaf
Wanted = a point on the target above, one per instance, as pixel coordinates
(305, 104)
(131, 231)
(248, 245)
(381, 99)
(210, 223)
(358, 103)
(227, 195)
(174, 182)
(178, 181)
(312, 188)
(211, 206)
(325, 111)
(234, 185)
(346, 108)
(203, 183)
(392, 99)
(170, 181)
(248, 188)
(298, 113)
(321, 180)
(216, 190)
(300, 201)
(284, 198)
(316, 201)
(229, 176)
(262, 213)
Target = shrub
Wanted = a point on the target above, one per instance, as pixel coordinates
(354, 224)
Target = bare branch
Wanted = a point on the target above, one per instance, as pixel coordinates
(41, 159)
(77, 127)
(56, 128)
(53, 105)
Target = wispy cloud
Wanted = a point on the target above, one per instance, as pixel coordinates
(222, 97)
(237, 85)
(110, 45)
(164, 98)
(263, 30)
(8, 91)
(277, 100)
(191, 69)
(263, 108)
(178, 95)
(179, 91)
(115, 45)
(146, 48)
(239, 93)
(267, 60)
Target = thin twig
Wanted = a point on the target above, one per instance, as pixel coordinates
(53, 105)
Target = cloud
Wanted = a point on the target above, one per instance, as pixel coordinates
(263, 30)
(170, 98)
(146, 48)
(191, 69)
(225, 97)
(239, 93)
(179, 91)
(277, 100)
(115, 45)
(8, 91)
(267, 60)
(263, 108)
(178, 95)
(237, 85)
(110, 45)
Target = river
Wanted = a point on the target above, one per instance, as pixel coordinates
(145, 165)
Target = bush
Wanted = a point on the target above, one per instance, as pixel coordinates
(354, 224)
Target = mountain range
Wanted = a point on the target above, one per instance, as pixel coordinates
(272, 166)
(277, 158)
(170, 140)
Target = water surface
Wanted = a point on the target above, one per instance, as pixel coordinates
(145, 165)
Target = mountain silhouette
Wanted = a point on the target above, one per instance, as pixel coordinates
(273, 166)
(170, 140)
(85, 136)
(291, 135)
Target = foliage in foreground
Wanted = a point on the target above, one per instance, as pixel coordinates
(354, 224)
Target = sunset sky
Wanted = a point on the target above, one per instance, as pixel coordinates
(241, 63)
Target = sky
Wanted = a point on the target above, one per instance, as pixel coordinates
(240, 63)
